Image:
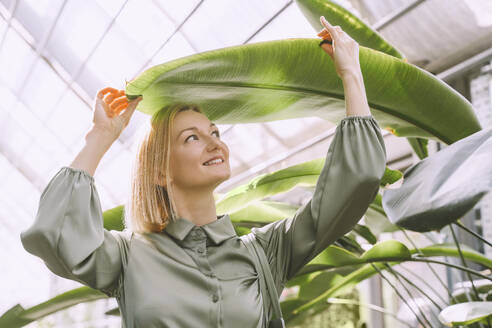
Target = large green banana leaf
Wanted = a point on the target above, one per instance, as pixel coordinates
(259, 213)
(334, 256)
(17, 316)
(284, 79)
(269, 184)
(301, 175)
(443, 187)
(351, 24)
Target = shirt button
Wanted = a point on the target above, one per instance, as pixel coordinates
(200, 250)
(215, 298)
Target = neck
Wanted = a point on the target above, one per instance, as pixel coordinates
(196, 205)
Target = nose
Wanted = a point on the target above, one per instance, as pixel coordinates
(212, 143)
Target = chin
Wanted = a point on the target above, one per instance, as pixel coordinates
(223, 178)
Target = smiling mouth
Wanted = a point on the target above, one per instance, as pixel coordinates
(214, 162)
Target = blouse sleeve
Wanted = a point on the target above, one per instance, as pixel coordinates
(68, 233)
(348, 183)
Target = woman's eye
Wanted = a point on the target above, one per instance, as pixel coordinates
(192, 135)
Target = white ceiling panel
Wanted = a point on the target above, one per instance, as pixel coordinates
(14, 137)
(247, 141)
(73, 37)
(178, 46)
(228, 26)
(290, 23)
(145, 26)
(43, 89)
(116, 174)
(111, 7)
(116, 60)
(177, 11)
(71, 119)
(14, 68)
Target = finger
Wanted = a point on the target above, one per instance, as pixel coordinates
(118, 101)
(131, 108)
(328, 49)
(325, 34)
(328, 26)
(338, 29)
(110, 97)
(118, 109)
(104, 91)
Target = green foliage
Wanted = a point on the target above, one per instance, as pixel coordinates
(17, 316)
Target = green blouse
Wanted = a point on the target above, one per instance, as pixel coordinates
(203, 276)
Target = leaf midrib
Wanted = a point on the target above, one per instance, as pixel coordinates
(384, 109)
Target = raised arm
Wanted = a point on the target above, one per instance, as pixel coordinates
(348, 183)
(349, 180)
(68, 232)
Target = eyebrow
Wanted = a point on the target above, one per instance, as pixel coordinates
(194, 128)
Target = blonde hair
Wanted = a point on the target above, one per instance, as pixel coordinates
(151, 206)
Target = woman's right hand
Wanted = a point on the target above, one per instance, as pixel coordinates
(108, 105)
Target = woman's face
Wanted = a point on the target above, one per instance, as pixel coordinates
(195, 141)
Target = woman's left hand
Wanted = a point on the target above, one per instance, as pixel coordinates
(344, 50)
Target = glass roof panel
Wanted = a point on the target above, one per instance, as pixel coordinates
(14, 68)
(115, 60)
(178, 46)
(111, 7)
(73, 37)
(228, 27)
(145, 26)
(71, 119)
(177, 11)
(43, 89)
(290, 23)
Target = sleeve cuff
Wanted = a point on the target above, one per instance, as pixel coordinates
(81, 171)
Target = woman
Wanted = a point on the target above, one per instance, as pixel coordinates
(181, 265)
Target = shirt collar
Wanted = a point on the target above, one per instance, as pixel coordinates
(218, 230)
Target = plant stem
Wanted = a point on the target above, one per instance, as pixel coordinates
(390, 269)
(464, 264)
(463, 261)
(426, 284)
(430, 267)
(398, 293)
(459, 267)
(369, 306)
(398, 274)
(476, 235)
